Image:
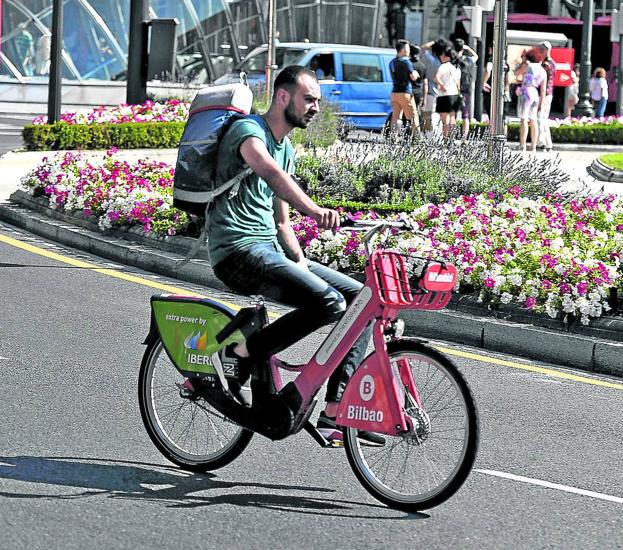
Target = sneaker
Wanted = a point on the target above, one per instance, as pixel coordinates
(237, 370)
(330, 431)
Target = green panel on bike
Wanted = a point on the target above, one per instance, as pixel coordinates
(188, 329)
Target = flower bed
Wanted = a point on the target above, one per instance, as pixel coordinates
(541, 254)
(172, 110)
(116, 192)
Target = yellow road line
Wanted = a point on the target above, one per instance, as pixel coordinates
(178, 290)
(532, 368)
(105, 271)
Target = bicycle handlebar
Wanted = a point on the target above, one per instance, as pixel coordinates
(372, 227)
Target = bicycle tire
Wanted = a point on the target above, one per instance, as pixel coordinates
(184, 409)
(439, 369)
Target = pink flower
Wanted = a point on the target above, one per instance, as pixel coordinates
(582, 288)
(530, 302)
(489, 282)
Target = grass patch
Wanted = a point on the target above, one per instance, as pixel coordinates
(613, 160)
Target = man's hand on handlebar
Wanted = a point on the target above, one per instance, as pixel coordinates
(327, 218)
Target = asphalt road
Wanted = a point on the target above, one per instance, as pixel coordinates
(77, 468)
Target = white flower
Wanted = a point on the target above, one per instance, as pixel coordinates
(506, 298)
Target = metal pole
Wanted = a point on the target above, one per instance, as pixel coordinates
(55, 84)
(497, 76)
(136, 91)
(620, 81)
(497, 84)
(619, 73)
(583, 106)
(480, 69)
(270, 57)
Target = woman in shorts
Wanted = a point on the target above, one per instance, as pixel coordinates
(448, 81)
(531, 96)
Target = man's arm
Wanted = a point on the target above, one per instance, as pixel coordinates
(285, 233)
(256, 156)
(471, 53)
(543, 93)
(428, 45)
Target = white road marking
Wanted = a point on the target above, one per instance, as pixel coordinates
(549, 485)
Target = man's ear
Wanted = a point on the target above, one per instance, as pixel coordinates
(283, 97)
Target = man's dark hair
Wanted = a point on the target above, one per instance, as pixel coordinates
(415, 51)
(288, 78)
(400, 45)
(440, 46)
(459, 43)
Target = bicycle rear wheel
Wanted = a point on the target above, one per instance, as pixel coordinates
(185, 428)
(423, 469)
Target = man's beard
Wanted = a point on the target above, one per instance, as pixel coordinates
(294, 120)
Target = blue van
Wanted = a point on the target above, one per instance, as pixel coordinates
(357, 78)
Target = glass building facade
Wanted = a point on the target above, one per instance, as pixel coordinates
(212, 35)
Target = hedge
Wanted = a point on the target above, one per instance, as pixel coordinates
(166, 135)
(597, 133)
(134, 135)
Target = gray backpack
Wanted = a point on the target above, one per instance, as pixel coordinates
(194, 185)
(211, 113)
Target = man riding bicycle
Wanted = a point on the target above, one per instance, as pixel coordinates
(253, 247)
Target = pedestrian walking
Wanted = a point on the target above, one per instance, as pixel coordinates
(574, 91)
(403, 77)
(420, 86)
(598, 86)
(486, 83)
(545, 136)
(467, 63)
(430, 56)
(448, 81)
(531, 96)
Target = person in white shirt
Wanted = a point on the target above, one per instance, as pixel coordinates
(598, 87)
(532, 93)
(448, 81)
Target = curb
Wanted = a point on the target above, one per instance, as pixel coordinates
(604, 173)
(583, 351)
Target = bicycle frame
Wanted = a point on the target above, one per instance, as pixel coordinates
(374, 397)
(193, 330)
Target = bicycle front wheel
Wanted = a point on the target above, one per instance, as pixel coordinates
(422, 469)
(185, 428)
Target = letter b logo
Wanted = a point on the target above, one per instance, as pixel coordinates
(366, 388)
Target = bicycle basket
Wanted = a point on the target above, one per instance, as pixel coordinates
(401, 283)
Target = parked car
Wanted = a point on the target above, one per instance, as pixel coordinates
(357, 78)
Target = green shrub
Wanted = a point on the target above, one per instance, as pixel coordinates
(598, 133)
(144, 135)
(410, 173)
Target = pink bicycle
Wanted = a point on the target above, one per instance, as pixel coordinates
(405, 390)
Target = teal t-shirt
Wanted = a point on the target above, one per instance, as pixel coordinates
(247, 217)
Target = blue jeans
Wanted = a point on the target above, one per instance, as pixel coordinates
(600, 106)
(320, 296)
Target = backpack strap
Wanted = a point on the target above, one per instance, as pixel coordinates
(233, 185)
